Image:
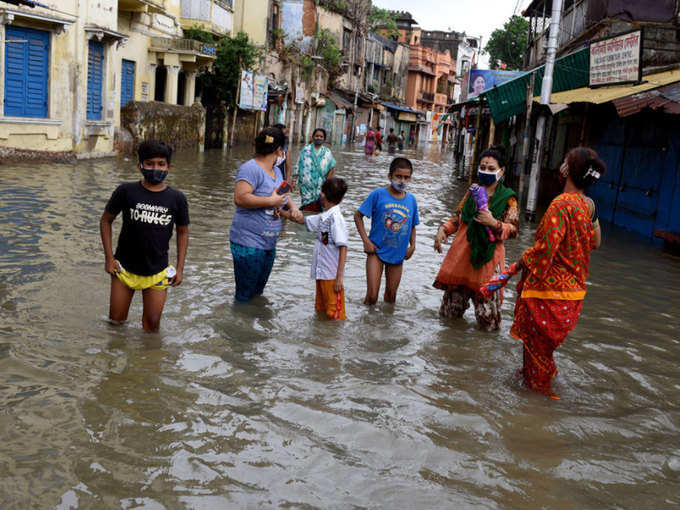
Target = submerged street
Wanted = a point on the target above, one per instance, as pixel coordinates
(269, 405)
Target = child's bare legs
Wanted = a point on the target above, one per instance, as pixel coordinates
(392, 280)
(154, 301)
(119, 303)
(374, 270)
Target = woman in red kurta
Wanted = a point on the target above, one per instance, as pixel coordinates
(553, 284)
(474, 259)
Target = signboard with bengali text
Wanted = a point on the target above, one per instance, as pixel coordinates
(616, 60)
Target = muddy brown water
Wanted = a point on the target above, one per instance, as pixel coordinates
(267, 405)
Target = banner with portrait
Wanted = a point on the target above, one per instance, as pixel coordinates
(485, 79)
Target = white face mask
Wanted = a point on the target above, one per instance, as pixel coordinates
(399, 185)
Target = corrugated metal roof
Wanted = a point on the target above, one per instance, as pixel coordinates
(339, 101)
(630, 105)
(671, 92)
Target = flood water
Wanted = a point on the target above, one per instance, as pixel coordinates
(267, 405)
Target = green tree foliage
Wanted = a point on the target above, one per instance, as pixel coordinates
(382, 19)
(233, 54)
(198, 34)
(508, 44)
(330, 54)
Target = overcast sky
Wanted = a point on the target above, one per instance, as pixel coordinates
(474, 17)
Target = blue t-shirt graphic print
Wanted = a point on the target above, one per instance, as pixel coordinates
(391, 222)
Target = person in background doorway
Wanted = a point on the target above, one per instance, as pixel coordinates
(554, 270)
(400, 142)
(315, 164)
(378, 139)
(283, 163)
(473, 257)
(394, 216)
(151, 209)
(392, 140)
(256, 225)
(412, 136)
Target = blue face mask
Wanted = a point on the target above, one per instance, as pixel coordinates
(487, 178)
(318, 143)
(153, 176)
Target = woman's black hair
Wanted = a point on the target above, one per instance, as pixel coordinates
(280, 126)
(496, 152)
(149, 149)
(323, 131)
(268, 140)
(585, 166)
(401, 163)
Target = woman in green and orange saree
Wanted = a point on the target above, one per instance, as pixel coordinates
(555, 268)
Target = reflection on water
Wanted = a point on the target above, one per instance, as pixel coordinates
(268, 405)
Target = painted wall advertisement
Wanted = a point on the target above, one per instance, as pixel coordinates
(254, 88)
(616, 59)
(485, 79)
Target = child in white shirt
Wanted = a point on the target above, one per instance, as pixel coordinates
(330, 249)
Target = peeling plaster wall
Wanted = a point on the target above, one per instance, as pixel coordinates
(182, 127)
(298, 21)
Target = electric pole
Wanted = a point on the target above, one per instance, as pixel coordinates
(546, 90)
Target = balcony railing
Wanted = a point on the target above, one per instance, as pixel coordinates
(572, 25)
(183, 45)
(428, 97)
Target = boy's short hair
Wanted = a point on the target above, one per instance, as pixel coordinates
(149, 149)
(400, 163)
(334, 189)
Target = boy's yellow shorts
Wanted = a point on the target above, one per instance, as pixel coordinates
(157, 281)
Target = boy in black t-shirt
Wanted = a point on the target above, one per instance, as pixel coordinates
(150, 210)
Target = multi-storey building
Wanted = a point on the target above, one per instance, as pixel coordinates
(68, 72)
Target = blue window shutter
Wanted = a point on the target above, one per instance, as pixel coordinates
(95, 67)
(26, 72)
(127, 88)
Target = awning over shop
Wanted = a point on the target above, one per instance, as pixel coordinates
(401, 108)
(606, 94)
(508, 99)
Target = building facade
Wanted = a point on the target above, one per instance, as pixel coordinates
(67, 73)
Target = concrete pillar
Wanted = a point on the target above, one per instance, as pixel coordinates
(190, 88)
(152, 83)
(171, 83)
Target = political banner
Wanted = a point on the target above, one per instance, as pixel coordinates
(254, 91)
(485, 79)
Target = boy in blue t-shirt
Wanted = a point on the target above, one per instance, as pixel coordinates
(394, 216)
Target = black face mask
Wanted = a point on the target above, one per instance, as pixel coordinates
(318, 143)
(153, 176)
